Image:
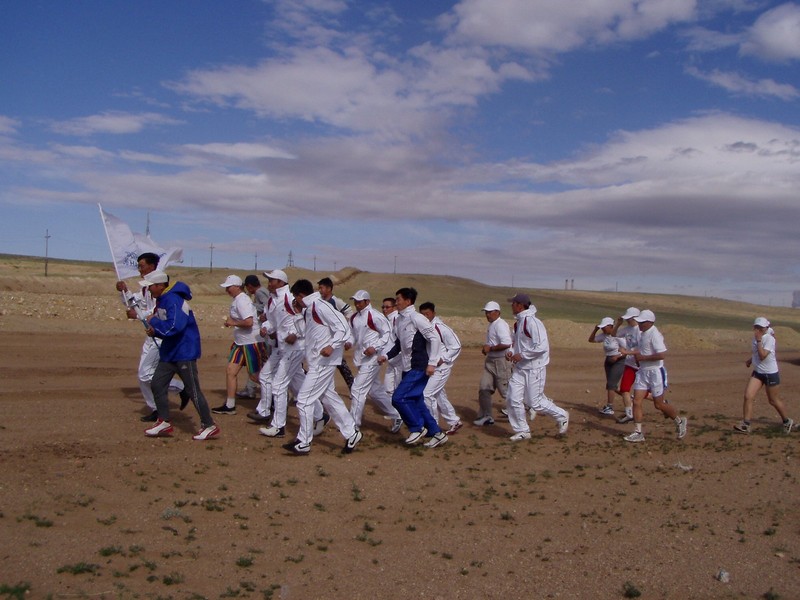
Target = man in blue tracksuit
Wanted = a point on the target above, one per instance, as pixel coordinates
(174, 324)
(418, 344)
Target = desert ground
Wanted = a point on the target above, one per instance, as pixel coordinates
(91, 508)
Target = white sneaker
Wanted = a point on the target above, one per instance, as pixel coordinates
(209, 433)
(626, 418)
(636, 436)
(396, 425)
(680, 427)
(160, 429)
(522, 435)
(483, 421)
(416, 437)
(563, 426)
(271, 431)
(454, 428)
(352, 442)
(437, 440)
(787, 426)
(531, 414)
(606, 410)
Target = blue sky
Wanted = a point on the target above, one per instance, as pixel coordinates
(647, 145)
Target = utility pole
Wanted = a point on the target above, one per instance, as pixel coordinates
(290, 262)
(395, 264)
(147, 227)
(47, 237)
(256, 265)
(315, 262)
(211, 260)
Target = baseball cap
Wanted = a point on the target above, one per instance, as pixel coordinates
(491, 306)
(521, 298)
(759, 322)
(605, 322)
(644, 316)
(360, 295)
(231, 280)
(631, 313)
(276, 274)
(154, 277)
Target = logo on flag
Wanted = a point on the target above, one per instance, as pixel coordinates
(126, 246)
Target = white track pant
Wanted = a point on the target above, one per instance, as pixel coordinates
(265, 382)
(526, 388)
(318, 386)
(367, 383)
(436, 397)
(289, 374)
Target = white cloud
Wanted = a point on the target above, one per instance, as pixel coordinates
(545, 26)
(775, 35)
(739, 84)
(115, 122)
(239, 151)
(8, 126)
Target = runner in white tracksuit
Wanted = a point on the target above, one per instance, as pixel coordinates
(371, 333)
(435, 395)
(530, 354)
(286, 370)
(394, 367)
(326, 333)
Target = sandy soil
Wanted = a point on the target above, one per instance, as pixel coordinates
(90, 508)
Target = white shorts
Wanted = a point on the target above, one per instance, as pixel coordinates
(652, 380)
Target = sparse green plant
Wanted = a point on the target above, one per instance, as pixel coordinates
(17, 591)
(173, 579)
(110, 550)
(630, 591)
(78, 568)
(244, 561)
(356, 493)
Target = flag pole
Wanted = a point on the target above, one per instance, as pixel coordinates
(127, 298)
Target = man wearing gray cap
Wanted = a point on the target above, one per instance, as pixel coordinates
(496, 369)
(530, 354)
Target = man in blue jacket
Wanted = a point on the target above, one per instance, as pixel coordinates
(174, 324)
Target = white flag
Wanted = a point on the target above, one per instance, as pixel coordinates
(126, 246)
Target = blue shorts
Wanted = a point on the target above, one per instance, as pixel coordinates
(768, 379)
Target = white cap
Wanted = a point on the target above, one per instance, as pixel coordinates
(761, 322)
(231, 280)
(644, 316)
(631, 313)
(491, 306)
(360, 295)
(154, 277)
(605, 322)
(276, 274)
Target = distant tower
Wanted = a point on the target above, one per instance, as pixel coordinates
(796, 299)
(566, 284)
(572, 284)
(290, 262)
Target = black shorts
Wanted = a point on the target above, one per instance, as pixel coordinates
(614, 370)
(768, 379)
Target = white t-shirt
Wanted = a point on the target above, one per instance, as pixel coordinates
(651, 342)
(631, 334)
(242, 308)
(498, 333)
(770, 363)
(611, 344)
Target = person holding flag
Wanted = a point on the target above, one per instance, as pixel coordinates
(125, 245)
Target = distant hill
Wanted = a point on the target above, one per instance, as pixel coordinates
(453, 296)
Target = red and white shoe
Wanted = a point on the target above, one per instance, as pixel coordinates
(209, 433)
(454, 428)
(160, 429)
